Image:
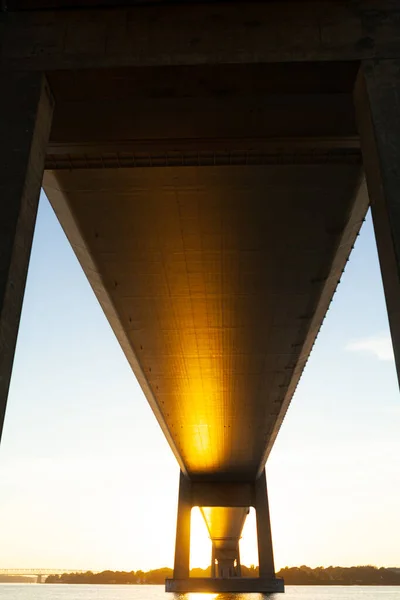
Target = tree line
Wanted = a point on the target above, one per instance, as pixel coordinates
(363, 575)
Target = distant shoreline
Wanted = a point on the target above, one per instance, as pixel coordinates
(28, 581)
(320, 576)
(336, 583)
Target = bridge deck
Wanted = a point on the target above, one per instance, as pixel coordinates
(219, 277)
(213, 212)
(216, 248)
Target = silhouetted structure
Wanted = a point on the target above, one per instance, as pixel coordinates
(206, 161)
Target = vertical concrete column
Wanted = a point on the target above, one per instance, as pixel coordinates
(25, 119)
(377, 101)
(238, 563)
(182, 544)
(213, 570)
(264, 536)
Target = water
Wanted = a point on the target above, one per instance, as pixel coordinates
(10, 591)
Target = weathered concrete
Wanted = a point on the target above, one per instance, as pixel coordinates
(237, 584)
(377, 99)
(25, 118)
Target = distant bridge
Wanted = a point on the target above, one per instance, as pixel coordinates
(38, 573)
(37, 570)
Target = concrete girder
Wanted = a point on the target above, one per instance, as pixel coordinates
(289, 112)
(141, 208)
(191, 34)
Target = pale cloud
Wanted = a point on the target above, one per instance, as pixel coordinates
(378, 345)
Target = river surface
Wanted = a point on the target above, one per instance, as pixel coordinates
(11, 591)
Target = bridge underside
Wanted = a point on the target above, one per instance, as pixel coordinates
(212, 200)
(214, 247)
(216, 280)
(214, 252)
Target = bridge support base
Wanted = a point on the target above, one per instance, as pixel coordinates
(225, 557)
(232, 585)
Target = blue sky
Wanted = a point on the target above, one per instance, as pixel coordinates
(87, 479)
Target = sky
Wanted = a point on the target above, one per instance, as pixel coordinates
(87, 480)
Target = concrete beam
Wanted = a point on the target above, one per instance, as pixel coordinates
(190, 34)
(199, 125)
(377, 100)
(311, 280)
(222, 494)
(346, 238)
(169, 123)
(26, 107)
(58, 197)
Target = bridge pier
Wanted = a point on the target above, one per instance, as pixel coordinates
(228, 562)
(239, 564)
(25, 118)
(225, 555)
(377, 101)
(213, 562)
(182, 542)
(264, 536)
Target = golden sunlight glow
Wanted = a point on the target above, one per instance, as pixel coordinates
(202, 432)
(201, 438)
(201, 596)
(248, 542)
(200, 543)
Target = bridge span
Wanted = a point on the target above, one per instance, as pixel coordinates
(34, 571)
(39, 573)
(211, 165)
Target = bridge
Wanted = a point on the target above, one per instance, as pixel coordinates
(211, 164)
(39, 573)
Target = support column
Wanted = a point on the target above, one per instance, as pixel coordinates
(182, 544)
(238, 563)
(264, 537)
(213, 570)
(377, 101)
(26, 108)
